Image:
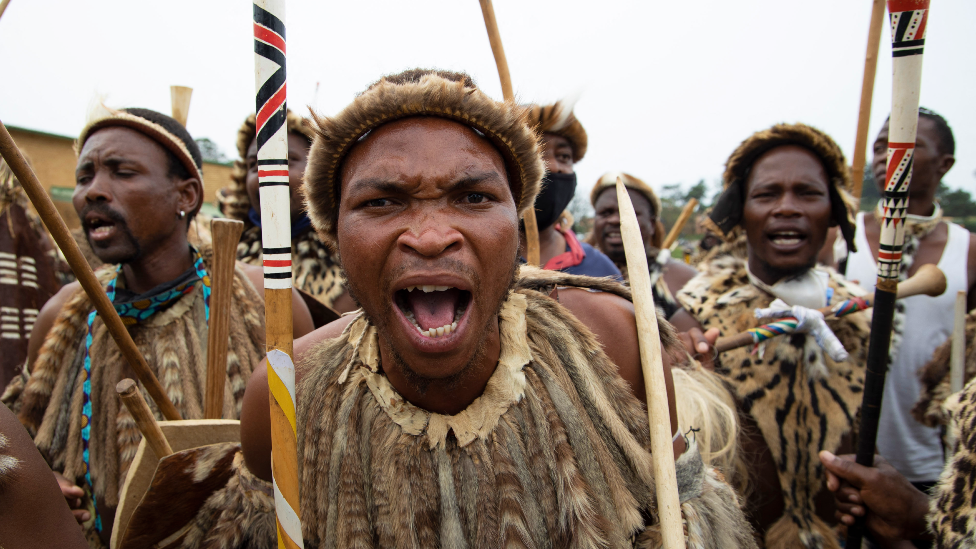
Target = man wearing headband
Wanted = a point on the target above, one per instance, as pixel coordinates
(315, 269)
(563, 145)
(798, 393)
(914, 449)
(465, 405)
(138, 185)
(667, 275)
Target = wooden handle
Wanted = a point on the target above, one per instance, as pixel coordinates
(488, 11)
(145, 421)
(83, 272)
(957, 361)
(680, 223)
(180, 100)
(226, 233)
(659, 406)
(867, 95)
(928, 280)
(3, 6)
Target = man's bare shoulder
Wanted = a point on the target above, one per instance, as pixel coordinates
(331, 330)
(677, 274)
(599, 311)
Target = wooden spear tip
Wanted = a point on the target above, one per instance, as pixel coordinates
(126, 387)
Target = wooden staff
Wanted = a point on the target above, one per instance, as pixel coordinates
(143, 416)
(908, 24)
(272, 143)
(680, 224)
(867, 94)
(532, 252)
(226, 234)
(929, 280)
(3, 6)
(652, 365)
(83, 272)
(180, 101)
(957, 362)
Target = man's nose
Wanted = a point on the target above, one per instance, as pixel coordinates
(430, 236)
(98, 188)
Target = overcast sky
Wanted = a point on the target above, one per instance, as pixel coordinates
(666, 89)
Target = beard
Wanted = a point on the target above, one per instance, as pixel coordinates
(130, 249)
(417, 381)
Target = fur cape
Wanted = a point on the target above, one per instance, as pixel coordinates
(48, 400)
(801, 400)
(936, 387)
(419, 92)
(952, 517)
(315, 269)
(553, 454)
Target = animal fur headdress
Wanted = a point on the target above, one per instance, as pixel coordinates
(559, 119)
(418, 92)
(609, 181)
(234, 200)
(165, 130)
(727, 211)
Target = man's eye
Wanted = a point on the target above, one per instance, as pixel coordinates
(377, 203)
(476, 198)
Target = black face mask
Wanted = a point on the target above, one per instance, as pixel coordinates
(557, 192)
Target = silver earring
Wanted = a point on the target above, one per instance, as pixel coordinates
(182, 214)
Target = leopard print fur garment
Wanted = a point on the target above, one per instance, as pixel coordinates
(315, 270)
(936, 386)
(801, 400)
(953, 513)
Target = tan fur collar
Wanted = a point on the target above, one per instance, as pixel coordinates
(505, 387)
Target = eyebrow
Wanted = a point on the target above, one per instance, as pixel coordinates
(391, 186)
(111, 161)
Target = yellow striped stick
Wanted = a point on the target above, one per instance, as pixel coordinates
(272, 142)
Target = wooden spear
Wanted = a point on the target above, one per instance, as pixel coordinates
(532, 251)
(226, 234)
(867, 94)
(180, 101)
(680, 224)
(3, 6)
(652, 365)
(272, 143)
(957, 361)
(132, 398)
(908, 24)
(83, 272)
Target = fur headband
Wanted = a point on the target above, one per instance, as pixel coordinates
(609, 181)
(162, 129)
(234, 200)
(418, 92)
(559, 119)
(727, 211)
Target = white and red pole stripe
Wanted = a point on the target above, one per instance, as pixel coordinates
(272, 143)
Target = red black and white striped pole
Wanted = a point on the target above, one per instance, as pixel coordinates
(908, 24)
(272, 143)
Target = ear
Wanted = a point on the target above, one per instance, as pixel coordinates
(189, 195)
(946, 161)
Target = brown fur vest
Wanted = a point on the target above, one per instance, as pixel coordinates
(553, 454)
(953, 513)
(802, 401)
(936, 386)
(174, 344)
(315, 270)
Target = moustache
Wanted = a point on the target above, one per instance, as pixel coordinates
(102, 210)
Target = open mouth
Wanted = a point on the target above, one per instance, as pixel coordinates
(433, 310)
(612, 236)
(99, 229)
(786, 238)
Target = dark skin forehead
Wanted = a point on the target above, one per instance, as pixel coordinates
(787, 163)
(386, 159)
(114, 145)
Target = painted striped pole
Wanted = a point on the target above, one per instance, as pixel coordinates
(272, 143)
(908, 24)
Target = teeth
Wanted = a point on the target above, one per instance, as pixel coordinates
(427, 288)
(438, 332)
(104, 229)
